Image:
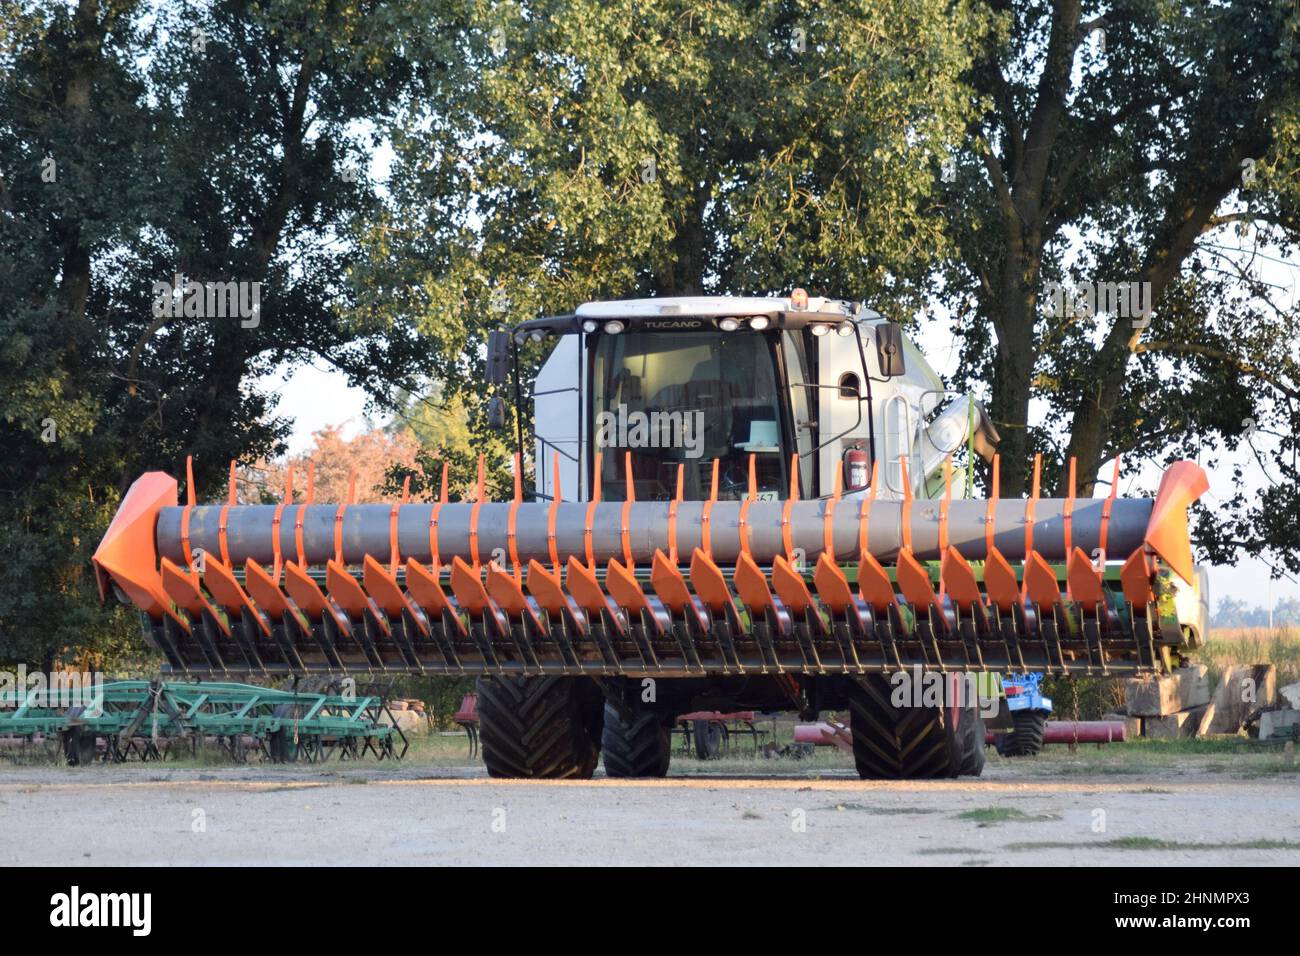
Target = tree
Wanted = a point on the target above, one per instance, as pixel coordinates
(1128, 142)
(138, 143)
(605, 149)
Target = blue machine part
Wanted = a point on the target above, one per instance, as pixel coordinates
(1023, 693)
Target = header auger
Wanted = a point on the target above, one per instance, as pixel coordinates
(755, 559)
(662, 588)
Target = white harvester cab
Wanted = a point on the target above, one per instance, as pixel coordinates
(677, 383)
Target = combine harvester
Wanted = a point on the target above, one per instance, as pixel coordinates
(742, 503)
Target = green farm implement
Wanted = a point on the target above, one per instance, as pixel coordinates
(148, 720)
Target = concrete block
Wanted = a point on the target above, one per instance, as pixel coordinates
(1290, 695)
(1278, 723)
(1185, 688)
(1243, 690)
(1169, 727)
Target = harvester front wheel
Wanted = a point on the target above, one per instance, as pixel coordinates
(539, 727)
(1025, 738)
(910, 742)
(638, 747)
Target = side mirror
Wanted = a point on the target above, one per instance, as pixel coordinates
(498, 357)
(889, 350)
(496, 413)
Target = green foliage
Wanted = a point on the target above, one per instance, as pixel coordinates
(618, 149)
(210, 142)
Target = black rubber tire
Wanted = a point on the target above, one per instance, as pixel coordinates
(540, 728)
(972, 764)
(707, 737)
(1025, 739)
(280, 743)
(639, 748)
(79, 747)
(901, 743)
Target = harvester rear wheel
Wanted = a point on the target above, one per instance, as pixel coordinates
(910, 743)
(639, 747)
(539, 727)
(972, 764)
(1025, 738)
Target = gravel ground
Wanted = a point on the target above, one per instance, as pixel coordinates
(377, 814)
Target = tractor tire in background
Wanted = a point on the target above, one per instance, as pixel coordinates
(79, 746)
(541, 728)
(280, 744)
(1025, 739)
(910, 743)
(707, 735)
(639, 747)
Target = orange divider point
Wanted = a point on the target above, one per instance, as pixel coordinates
(225, 590)
(1135, 578)
(263, 590)
(585, 588)
(907, 504)
(914, 582)
(546, 588)
(751, 585)
(832, 586)
(790, 586)
(1041, 585)
(626, 590)
(311, 600)
(509, 596)
(467, 585)
(383, 588)
(1000, 581)
(959, 580)
(874, 583)
(709, 583)
(1084, 581)
(424, 587)
(183, 589)
(668, 583)
(348, 595)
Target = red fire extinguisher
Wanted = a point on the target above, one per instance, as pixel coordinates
(855, 468)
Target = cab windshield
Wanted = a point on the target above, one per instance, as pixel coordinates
(685, 399)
